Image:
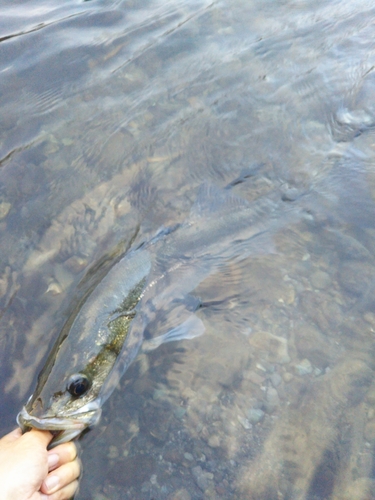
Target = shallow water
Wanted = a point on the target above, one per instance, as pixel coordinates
(113, 115)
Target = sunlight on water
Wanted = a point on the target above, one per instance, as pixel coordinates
(121, 119)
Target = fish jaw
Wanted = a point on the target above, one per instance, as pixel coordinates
(64, 428)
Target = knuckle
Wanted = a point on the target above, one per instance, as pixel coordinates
(72, 450)
(65, 493)
(76, 469)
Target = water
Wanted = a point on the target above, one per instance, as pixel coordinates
(113, 114)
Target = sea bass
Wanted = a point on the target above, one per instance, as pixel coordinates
(154, 280)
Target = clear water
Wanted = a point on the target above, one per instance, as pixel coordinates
(113, 114)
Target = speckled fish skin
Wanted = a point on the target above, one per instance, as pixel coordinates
(105, 336)
(91, 346)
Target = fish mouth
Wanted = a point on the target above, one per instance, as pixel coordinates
(63, 428)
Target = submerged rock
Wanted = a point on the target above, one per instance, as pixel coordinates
(321, 280)
(355, 277)
(304, 367)
(203, 479)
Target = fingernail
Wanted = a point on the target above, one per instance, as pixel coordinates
(51, 482)
(53, 459)
(43, 497)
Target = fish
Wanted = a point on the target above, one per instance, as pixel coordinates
(155, 279)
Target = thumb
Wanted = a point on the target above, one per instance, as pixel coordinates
(43, 437)
(12, 436)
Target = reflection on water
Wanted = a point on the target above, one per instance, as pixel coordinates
(113, 114)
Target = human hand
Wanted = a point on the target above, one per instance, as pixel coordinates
(29, 472)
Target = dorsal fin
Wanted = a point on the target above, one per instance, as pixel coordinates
(213, 200)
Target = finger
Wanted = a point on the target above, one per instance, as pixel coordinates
(62, 454)
(42, 437)
(61, 477)
(64, 494)
(12, 436)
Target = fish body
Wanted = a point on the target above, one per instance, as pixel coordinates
(98, 344)
(90, 346)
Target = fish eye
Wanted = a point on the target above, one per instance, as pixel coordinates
(78, 384)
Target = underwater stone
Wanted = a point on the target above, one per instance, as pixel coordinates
(202, 478)
(304, 367)
(321, 280)
(255, 415)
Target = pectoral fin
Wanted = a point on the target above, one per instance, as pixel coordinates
(189, 329)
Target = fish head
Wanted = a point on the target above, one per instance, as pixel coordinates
(75, 381)
(65, 403)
